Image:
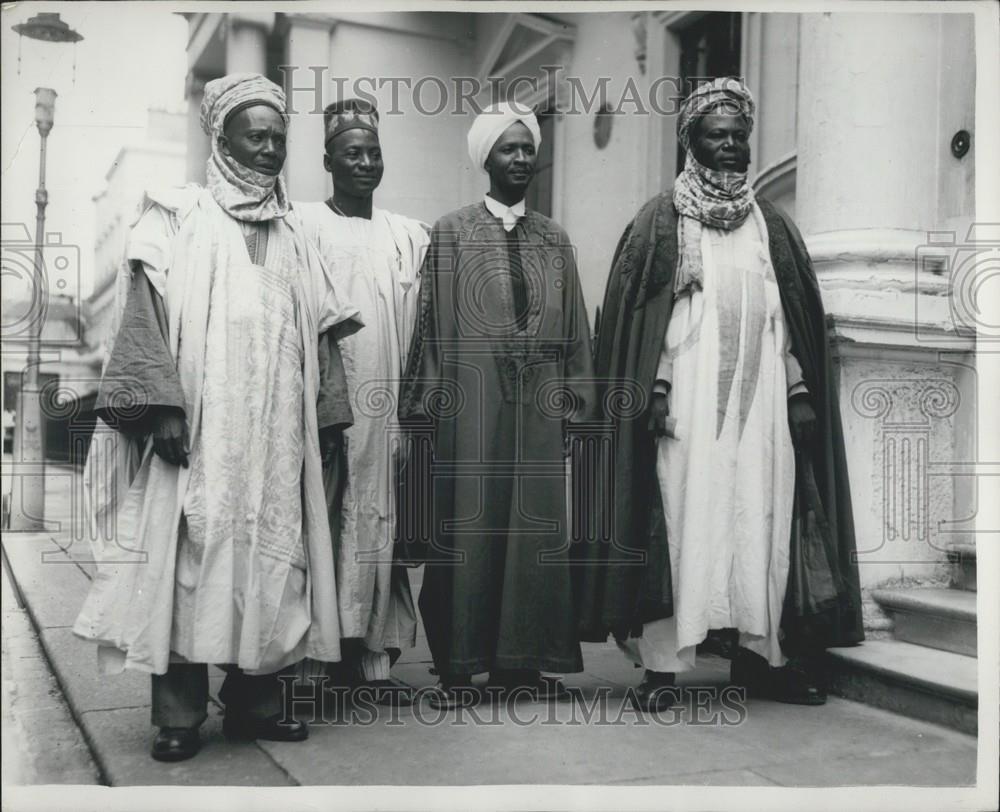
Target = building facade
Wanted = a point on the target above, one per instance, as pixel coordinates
(75, 331)
(157, 160)
(865, 134)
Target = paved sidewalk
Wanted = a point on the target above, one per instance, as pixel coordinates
(841, 743)
(41, 742)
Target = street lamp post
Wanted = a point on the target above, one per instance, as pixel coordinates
(27, 506)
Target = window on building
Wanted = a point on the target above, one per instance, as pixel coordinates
(710, 48)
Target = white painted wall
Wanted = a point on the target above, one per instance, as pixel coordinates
(424, 155)
(867, 123)
(775, 87)
(601, 189)
(956, 60)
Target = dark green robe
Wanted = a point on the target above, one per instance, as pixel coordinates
(624, 581)
(497, 394)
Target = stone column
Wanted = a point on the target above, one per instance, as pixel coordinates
(308, 89)
(246, 42)
(198, 146)
(867, 88)
(873, 151)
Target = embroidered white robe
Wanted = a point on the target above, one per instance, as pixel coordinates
(377, 264)
(229, 558)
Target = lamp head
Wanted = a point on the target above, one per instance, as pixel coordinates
(47, 28)
(45, 109)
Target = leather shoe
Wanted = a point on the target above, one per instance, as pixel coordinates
(749, 670)
(723, 643)
(526, 685)
(388, 692)
(271, 729)
(656, 692)
(792, 683)
(176, 743)
(460, 693)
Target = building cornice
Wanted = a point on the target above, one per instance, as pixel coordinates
(675, 20)
(382, 21)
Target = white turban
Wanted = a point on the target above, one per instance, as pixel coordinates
(492, 123)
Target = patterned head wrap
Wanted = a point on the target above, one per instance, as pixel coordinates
(727, 95)
(703, 196)
(492, 123)
(349, 114)
(716, 198)
(243, 192)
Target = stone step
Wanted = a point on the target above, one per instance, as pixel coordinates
(963, 566)
(916, 681)
(930, 616)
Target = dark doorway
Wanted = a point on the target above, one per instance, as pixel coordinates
(710, 48)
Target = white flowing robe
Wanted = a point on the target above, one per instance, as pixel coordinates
(377, 264)
(235, 548)
(727, 480)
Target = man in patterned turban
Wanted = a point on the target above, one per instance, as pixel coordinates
(730, 489)
(212, 390)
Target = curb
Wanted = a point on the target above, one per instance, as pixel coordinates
(74, 713)
(113, 717)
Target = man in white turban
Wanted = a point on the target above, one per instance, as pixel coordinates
(499, 367)
(222, 551)
(492, 123)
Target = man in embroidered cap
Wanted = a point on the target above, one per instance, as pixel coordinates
(499, 367)
(222, 549)
(375, 257)
(731, 490)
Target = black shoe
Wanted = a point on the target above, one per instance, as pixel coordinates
(793, 684)
(176, 744)
(454, 693)
(551, 689)
(390, 692)
(526, 685)
(723, 643)
(751, 671)
(340, 676)
(271, 729)
(656, 692)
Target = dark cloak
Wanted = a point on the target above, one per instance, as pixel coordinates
(627, 582)
(496, 388)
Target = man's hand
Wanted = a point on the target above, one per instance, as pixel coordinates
(801, 419)
(331, 441)
(170, 437)
(658, 414)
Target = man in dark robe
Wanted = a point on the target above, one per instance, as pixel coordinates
(731, 503)
(500, 366)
